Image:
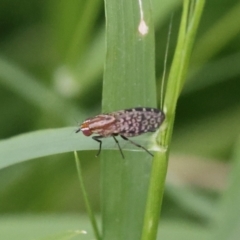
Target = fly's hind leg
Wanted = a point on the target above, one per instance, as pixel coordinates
(118, 145)
(137, 145)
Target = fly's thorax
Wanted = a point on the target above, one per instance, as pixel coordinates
(103, 125)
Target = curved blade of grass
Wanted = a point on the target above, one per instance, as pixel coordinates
(129, 81)
(47, 142)
(39, 144)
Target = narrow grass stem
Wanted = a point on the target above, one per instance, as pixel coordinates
(188, 27)
(155, 196)
(86, 199)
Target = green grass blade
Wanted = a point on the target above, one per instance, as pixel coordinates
(177, 76)
(41, 143)
(129, 68)
(129, 81)
(47, 142)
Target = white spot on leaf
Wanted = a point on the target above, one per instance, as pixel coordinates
(142, 27)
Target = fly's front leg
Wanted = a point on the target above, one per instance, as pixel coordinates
(96, 138)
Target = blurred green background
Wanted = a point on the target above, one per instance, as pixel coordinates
(51, 70)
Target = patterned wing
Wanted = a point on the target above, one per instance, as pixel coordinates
(135, 121)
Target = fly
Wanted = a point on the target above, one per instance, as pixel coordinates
(125, 123)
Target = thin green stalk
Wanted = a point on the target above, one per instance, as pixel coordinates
(86, 200)
(155, 196)
(189, 40)
(177, 76)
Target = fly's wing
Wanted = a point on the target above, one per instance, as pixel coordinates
(135, 121)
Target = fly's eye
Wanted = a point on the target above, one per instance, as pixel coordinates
(86, 131)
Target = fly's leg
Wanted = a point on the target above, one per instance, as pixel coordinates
(96, 138)
(137, 145)
(118, 145)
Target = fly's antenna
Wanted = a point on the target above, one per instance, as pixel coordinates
(76, 121)
(79, 129)
(165, 62)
